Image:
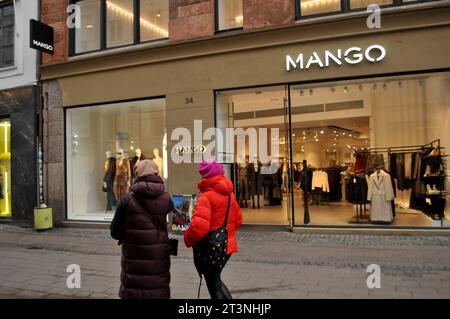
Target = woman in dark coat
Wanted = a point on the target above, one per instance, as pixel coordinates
(145, 249)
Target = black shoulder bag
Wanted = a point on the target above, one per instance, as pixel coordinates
(210, 253)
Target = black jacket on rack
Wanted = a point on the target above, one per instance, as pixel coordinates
(357, 189)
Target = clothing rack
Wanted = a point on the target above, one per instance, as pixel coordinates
(402, 149)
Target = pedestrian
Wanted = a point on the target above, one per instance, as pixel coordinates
(140, 224)
(210, 214)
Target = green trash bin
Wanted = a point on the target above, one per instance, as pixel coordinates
(43, 218)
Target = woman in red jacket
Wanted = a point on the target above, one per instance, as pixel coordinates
(209, 214)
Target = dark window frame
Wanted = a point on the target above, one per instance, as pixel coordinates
(346, 8)
(3, 5)
(103, 30)
(216, 19)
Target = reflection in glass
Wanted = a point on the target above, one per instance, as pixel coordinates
(154, 19)
(356, 4)
(311, 7)
(230, 14)
(88, 37)
(119, 22)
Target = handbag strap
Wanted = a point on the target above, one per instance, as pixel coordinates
(228, 210)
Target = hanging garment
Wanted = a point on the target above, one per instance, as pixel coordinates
(320, 180)
(122, 178)
(108, 179)
(335, 183)
(255, 179)
(243, 182)
(401, 171)
(393, 165)
(360, 163)
(380, 193)
(356, 189)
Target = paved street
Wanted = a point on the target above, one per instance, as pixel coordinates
(269, 265)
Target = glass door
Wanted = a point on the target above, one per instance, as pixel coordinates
(257, 158)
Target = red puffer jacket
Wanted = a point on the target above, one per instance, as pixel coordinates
(210, 211)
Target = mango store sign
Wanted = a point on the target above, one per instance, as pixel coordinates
(354, 55)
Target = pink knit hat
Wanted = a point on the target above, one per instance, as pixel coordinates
(210, 169)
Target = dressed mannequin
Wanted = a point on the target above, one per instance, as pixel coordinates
(108, 181)
(123, 176)
(256, 187)
(159, 161)
(138, 157)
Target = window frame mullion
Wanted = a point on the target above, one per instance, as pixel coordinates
(103, 21)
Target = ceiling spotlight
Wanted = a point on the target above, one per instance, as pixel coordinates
(321, 132)
(344, 133)
(400, 84)
(384, 85)
(304, 137)
(334, 144)
(333, 90)
(350, 135)
(360, 87)
(311, 92)
(374, 86)
(345, 90)
(301, 92)
(304, 133)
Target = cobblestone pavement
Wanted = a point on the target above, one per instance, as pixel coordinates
(270, 264)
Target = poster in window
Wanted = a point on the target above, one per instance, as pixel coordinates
(183, 205)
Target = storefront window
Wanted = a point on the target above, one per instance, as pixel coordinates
(356, 4)
(119, 22)
(154, 19)
(5, 168)
(311, 7)
(104, 144)
(230, 14)
(363, 152)
(6, 34)
(88, 37)
(374, 151)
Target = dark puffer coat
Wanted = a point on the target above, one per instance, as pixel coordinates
(145, 249)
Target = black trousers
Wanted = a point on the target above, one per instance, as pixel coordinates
(216, 287)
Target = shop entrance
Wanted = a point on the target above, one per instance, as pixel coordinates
(352, 153)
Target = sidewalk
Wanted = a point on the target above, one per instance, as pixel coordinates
(268, 265)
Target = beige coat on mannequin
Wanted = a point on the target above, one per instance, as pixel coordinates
(380, 193)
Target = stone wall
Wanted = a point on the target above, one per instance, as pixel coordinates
(267, 13)
(190, 19)
(54, 13)
(53, 150)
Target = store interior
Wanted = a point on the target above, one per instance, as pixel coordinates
(104, 144)
(355, 137)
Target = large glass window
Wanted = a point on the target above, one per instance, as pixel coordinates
(359, 153)
(308, 8)
(154, 19)
(104, 144)
(5, 168)
(88, 37)
(6, 34)
(113, 23)
(119, 22)
(230, 14)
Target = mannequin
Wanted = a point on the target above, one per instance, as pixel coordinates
(123, 176)
(108, 181)
(138, 157)
(256, 187)
(159, 161)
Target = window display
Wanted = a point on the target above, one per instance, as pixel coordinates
(104, 143)
(5, 168)
(364, 152)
